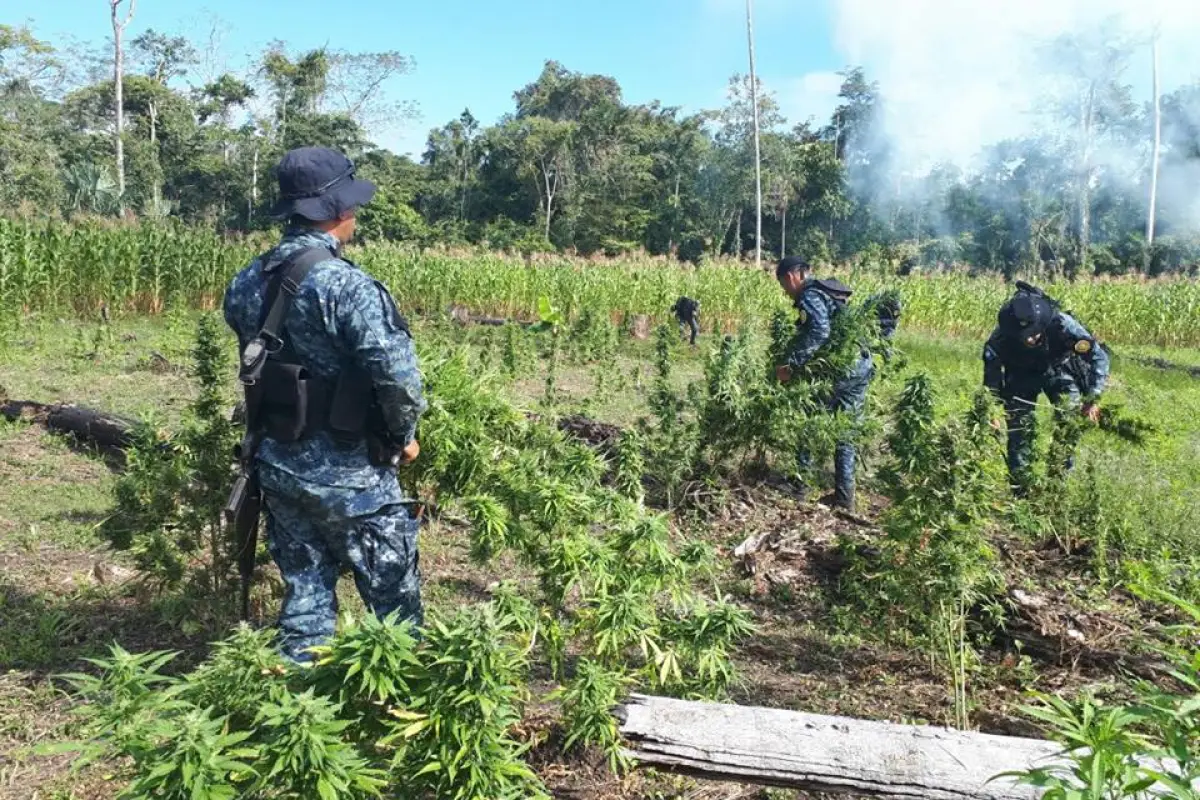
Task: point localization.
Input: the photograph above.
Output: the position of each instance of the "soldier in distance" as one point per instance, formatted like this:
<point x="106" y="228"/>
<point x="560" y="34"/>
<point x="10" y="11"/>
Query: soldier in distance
<point x="687" y="312"/>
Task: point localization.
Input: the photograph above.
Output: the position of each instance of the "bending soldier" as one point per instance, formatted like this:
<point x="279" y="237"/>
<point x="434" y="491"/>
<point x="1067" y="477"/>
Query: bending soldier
<point x="1036" y="349"/>
<point x="333" y="395"/>
<point x="687" y="313"/>
<point x="818" y="303"/>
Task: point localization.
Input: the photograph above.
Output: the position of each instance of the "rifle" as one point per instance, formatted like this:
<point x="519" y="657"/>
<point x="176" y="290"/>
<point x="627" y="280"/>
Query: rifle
<point x="242" y="513"/>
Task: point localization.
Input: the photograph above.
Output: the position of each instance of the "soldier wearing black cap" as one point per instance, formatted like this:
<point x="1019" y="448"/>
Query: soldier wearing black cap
<point x="1036" y="349"/>
<point x="333" y="395"/>
<point x="818" y="302"/>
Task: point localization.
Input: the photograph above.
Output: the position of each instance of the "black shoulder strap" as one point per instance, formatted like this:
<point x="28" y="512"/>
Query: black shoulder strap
<point x="285" y="284"/>
<point x="285" y="280"/>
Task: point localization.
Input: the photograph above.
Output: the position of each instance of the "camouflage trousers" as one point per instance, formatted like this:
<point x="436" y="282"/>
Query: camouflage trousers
<point x="379" y="548"/>
<point x="1021" y="395"/>
<point x="850" y="397"/>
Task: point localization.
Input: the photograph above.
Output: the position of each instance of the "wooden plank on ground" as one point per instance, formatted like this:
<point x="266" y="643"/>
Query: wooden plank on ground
<point x="827" y="754"/>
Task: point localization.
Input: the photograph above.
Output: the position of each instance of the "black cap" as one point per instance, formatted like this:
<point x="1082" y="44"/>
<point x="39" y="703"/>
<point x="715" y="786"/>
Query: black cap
<point x="1025" y="315"/>
<point x="791" y="264"/>
<point x="318" y="184"/>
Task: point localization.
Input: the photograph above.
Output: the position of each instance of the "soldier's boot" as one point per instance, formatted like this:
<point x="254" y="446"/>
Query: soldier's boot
<point x="843" y="495"/>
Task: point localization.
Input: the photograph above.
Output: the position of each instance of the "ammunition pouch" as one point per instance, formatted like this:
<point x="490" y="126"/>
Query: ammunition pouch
<point x="284" y="400"/>
<point x="291" y="404"/>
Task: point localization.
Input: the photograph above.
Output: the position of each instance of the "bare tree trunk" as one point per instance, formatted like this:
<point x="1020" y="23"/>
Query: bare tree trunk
<point x="551" y="190"/>
<point x="153" y="108"/>
<point x="118" y="27"/>
<point x="1087" y="114"/>
<point x="253" y="188"/>
<point x="737" y="236"/>
<point x="1150" y="218"/>
<point x="674" y="214"/>
<point x="757" y="151"/>
<point x="783" y="233"/>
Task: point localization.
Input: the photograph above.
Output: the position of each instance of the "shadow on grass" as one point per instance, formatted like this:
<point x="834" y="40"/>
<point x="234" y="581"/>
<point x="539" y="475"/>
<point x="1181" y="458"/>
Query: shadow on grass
<point x="45" y="634"/>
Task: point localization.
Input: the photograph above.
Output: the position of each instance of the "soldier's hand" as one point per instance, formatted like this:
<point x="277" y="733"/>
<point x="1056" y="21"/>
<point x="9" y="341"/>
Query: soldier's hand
<point x="783" y="373"/>
<point x="998" y="425"/>
<point x="1092" y="412"/>
<point x="410" y="452"/>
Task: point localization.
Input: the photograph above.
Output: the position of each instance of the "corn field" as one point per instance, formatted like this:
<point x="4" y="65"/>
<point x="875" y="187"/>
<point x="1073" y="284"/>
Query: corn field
<point x="64" y="268"/>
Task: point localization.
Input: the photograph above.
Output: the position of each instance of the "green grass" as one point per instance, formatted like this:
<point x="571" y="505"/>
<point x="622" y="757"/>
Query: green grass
<point x="52" y="496"/>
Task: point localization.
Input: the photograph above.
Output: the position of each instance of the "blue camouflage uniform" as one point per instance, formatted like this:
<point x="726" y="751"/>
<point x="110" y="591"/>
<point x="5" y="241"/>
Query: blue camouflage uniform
<point x="817" y="309"/>
<point x="326" y="504"/>
<point x="1069" y="365"/>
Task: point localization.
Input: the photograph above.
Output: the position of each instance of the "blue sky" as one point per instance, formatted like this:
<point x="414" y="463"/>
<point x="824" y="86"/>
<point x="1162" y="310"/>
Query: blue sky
<point x="476" y="53"/>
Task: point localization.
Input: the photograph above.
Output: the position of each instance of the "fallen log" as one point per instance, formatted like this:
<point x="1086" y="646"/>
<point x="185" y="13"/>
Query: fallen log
<point x="827" y="754"/>
<point x="88" y="426"/>
<point x="112" y="432"/>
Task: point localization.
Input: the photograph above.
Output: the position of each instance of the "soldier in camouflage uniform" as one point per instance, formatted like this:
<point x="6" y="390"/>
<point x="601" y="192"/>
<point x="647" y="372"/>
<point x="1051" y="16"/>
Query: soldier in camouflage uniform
<point x="817" y="303"/>
<point x="686" y="312"/>
<point x="1036" y="349"/>
<point x="328" y="503"/>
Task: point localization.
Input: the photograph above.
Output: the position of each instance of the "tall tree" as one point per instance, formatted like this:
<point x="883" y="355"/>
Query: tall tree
<point x="747" y="99"/>
<point x="452" y="156"/>
<point x="357" y="83"/>
<point x="540" y="148"/>
<point x="1100" y="105"/>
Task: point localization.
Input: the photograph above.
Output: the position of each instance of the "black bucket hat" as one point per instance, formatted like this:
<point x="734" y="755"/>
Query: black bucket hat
<point x="318" y="184"/>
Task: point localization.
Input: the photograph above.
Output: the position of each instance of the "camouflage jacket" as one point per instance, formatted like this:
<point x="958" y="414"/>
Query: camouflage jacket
<point x="340" y="317"/>
<point x="1067" y="349"/>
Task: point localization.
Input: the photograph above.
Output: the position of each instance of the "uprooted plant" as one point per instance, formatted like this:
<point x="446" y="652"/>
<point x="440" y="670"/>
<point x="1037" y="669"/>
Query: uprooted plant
<point x="934" y="562"/>
<point x="376" y="716"/>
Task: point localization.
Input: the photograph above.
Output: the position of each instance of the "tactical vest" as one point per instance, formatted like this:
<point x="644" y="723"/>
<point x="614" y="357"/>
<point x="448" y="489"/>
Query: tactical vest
<point x="284" y="401"/>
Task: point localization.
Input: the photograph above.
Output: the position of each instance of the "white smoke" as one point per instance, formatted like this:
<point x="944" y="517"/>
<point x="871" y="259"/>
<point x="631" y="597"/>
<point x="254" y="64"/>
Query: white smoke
<point x="958" y="75"/>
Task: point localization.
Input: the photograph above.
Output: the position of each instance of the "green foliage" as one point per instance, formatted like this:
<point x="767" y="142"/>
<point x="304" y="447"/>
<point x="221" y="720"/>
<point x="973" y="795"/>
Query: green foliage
<point x="304" y="753"/>
<point x="369" y="670"/>
<point x="170" y="499"/>
<point x="934" y="562"/>
<point x="1139" y="750"/>
<point x="192" y="758"/>
<point x="587" y="705"/>
<point x="470" y="698"/>
<point x="376" y="711"/>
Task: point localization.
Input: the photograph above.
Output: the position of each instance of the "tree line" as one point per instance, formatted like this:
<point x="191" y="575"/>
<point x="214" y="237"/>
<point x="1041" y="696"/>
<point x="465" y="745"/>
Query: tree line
<point x="574" y="167"/>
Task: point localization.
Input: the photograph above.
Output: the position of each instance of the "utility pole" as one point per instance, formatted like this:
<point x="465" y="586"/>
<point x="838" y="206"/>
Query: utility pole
<point x="757" y="152"/>
<point x="118" y="27"/>
<point x="1154" y="161"/>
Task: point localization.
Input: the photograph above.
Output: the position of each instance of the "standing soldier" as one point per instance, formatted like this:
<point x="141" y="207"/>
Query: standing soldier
<point x="1036" y="348"/>
<point x="818" y="303"/>
<point x="686" y="311"/>
<point x="333" y="395"/>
